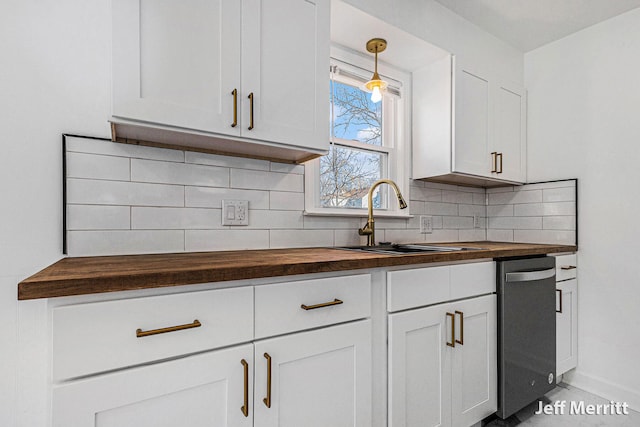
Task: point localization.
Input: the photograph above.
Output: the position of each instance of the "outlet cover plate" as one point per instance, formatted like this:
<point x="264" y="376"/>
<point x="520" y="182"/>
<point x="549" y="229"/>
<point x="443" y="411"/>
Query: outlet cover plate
<point x="426" y="224"/>
<point x="235" y="212"/>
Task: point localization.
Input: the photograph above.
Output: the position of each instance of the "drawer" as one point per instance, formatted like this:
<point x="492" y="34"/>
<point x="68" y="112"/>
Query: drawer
<point x="279" y="307"/>
<point x="473" y="279"/>
<point x="417" y="287"/>
<point x="566" y="267"/>
<point x="102" y="336"/>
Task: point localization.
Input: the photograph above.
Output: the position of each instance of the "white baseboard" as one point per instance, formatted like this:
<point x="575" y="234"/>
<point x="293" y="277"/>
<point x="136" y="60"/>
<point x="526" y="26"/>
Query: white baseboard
<point x="603" y="388"/>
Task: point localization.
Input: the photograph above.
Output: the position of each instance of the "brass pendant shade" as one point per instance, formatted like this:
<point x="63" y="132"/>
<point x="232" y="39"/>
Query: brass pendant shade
<point x="376" y="85"/>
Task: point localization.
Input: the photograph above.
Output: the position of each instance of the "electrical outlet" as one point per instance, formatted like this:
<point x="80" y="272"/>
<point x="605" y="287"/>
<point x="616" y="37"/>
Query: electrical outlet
<point x="476" y="221"/>
<point x="235" y="212"/>
<point x="426" y="224"/>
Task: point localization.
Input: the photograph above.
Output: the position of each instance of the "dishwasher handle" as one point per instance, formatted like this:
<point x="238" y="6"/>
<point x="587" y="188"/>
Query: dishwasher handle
<point x="528" y="276"/>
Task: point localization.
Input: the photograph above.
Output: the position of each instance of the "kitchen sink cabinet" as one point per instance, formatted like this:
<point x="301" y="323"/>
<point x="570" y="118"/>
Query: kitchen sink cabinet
<point x="566" y="313"/>
<point x="469" y="125"/>
<point x="438" y="376"/>
<point x="217" y="75"/>
<point x="442" y="355"/>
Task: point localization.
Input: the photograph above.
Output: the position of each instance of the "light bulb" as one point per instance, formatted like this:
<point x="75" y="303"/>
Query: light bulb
<point x="376" y="95"/>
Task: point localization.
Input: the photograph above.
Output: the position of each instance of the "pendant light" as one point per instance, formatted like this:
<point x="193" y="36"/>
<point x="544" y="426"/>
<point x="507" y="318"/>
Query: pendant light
<point x="376" y="85"/>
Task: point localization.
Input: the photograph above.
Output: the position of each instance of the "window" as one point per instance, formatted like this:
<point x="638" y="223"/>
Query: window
<point x="366" y="145"/>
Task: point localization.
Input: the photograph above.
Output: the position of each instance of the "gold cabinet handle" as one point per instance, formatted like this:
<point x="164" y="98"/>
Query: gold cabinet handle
<point x="559" y="291"/>
<point x="250" y="111"/>
<point x="324" y="304"/>
<point x="245" y="407"/>
<point x="267" y="400"/>
<point x="568" y="267"/>
<point x="140" y="333"/>
<point x="234" y="92"/>
<point x="494" y="162"/>
<point x="453" y="330"/>
<point x="461" y="341"/>
<point x="499" y="155"/>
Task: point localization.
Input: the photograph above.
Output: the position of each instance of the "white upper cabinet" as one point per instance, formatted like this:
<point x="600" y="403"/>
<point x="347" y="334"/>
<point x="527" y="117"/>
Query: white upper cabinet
<point x="285" y="65"/>
<point x="238" y="77"/>
<point x="469" y="126"/>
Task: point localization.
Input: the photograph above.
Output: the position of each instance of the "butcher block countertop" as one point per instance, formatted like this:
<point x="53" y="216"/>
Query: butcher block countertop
<point x="90" y="275"/>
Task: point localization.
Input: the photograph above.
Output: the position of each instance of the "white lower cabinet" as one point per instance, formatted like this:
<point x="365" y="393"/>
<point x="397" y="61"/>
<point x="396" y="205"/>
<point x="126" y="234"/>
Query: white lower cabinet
<point x="205" y="390"/>
<point x="443" y="364"/>
<point x="315" y="379"/>
<point x="566" y="313"/>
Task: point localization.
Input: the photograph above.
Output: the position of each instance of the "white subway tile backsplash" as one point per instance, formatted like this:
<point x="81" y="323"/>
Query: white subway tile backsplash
<point x="225" y="161"/>
<point x="300" y="238"/>
<point x="287" y="168"/>
<point x="272" y="219"/>
<point x="457" y="197"/>
<point x="120" y="242"/>
<point x="472" y="235"/>
<point x="148" y="218"/>
<point x="457" y="222"/>
<point x="224" y="240"/>
<point x="284" y="200"/>
<point x="545" y="236"/>
<point x="471" y="210"/>
<point x="499" y="235"/>
<point x="207" y="197"/>
<point x="99" y="192"/>
<point x="127" y="199"/>
<point x="435" y="208"/>
<point x="178" y="173"/>
<point x="516" y="222"/>
<point x="566" y="194"/>
<point x="531" y="209"/>
<point x="501" y="210"/>
<point x="559" y="222"/>
<point x="92" y="166"/>
<point x="98" y="217"/>
<point x="241" y="178"/>
<point x="94" y="146"/>
<point x="518" y="196"/>
<point x="559" y="208"/>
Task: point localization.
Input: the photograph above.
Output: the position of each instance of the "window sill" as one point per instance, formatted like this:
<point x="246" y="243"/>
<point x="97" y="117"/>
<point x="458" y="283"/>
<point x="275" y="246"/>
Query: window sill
<point x="359" y="213"/>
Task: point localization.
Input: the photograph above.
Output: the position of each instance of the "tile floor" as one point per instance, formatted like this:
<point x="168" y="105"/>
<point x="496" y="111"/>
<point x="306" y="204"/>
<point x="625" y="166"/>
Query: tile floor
<point x="565" y="392"/>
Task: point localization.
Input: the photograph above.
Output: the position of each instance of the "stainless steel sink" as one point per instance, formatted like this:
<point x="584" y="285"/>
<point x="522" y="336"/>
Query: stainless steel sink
<point x="403" y="249"/>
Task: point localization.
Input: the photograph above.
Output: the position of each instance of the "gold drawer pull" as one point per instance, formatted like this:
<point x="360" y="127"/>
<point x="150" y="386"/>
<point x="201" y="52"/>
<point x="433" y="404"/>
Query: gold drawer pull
<point x="324" y="304"/>
<point x="568" y="267"/>
<point x="235" y="108"/>
<point x="140" y="333"/>
<point x="267" y="400"/>
<point x="453" y="330"/>
<point x="494" y="162"/>
<point x="245" y="407"/>
<point x="250" y="111"/>
<point x="461" y="341"/>
<point x="500" y="157"/>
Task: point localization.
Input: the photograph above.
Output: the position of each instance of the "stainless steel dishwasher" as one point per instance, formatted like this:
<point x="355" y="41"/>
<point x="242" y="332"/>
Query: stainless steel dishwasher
<point x="526" y="332"/>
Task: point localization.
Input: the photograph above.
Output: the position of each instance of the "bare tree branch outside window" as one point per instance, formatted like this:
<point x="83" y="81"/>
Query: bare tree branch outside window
<point x="346" y="173"/>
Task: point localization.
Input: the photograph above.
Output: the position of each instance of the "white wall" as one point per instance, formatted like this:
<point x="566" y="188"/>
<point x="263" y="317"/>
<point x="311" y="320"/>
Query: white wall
<point x="584" y="97"/>
<point x="54" y="79"/>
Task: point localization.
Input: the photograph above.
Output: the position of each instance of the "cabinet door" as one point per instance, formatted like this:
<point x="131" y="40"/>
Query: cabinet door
<point x="420" y="368"/>
<point x="510" y="132"/>
<point x="285" y="66"/>
<point x="317" y="379"/>
<point x="566" y="326"/>
<point x="176" y="62"/>
<point x="206" y="390"/>
<point x="471" y="122"/>
<point x="474" y="366"/>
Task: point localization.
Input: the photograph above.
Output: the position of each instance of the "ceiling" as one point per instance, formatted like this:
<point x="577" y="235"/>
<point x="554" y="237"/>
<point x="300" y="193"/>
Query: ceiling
<point x="529" y="24"/>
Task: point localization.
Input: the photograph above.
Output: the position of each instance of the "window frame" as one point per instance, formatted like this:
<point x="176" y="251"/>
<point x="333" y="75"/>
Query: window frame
<point x="398" y="165"/>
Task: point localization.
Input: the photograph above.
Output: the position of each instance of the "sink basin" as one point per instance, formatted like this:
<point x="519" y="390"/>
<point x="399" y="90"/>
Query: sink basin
<point x="403" y="249"/>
